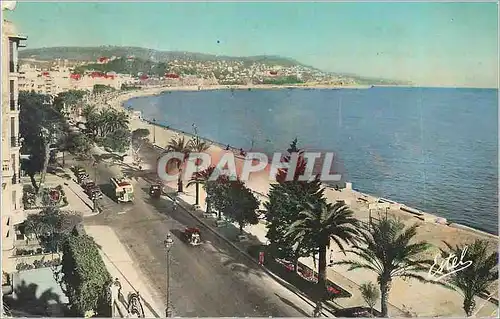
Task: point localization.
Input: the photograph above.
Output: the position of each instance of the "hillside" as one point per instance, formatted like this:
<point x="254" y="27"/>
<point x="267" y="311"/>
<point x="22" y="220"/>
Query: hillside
<point x="93" y="53"/>
<point x="155" y="62"/>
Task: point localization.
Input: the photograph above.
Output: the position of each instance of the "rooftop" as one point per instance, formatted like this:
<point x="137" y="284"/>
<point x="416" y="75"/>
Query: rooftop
<point x="37" y="292"/>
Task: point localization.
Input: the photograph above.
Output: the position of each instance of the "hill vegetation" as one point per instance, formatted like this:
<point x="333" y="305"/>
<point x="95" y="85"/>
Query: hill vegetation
<point x="93" y="53"/>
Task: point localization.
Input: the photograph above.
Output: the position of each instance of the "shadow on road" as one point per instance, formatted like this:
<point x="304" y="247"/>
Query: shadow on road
<point x="108" y="190"/>
<point x="238" y="264"/>
<point x="291" y="304"/>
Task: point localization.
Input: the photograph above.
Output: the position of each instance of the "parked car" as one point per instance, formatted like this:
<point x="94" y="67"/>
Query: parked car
<point x="95" y="193"/>
<point x="82" y="176"/>
<point x="88" y="185"/>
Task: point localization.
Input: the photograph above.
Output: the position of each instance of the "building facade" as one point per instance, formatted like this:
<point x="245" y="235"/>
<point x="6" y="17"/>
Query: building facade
<point x="12" y="192"/>
<point x="56" y="79"/>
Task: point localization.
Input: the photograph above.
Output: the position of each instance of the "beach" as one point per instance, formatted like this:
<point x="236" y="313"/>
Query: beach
<point x="434" y="300"/>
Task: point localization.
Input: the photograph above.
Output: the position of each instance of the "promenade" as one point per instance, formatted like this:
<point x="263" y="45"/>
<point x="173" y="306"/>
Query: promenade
<point x="411" y="296"/>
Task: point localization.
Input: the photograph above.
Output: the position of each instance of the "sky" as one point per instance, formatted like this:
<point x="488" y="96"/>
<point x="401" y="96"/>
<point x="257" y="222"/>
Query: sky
<point x="429" y="44"/>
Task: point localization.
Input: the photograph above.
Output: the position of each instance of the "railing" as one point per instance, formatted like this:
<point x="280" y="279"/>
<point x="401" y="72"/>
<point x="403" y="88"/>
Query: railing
<point x="14" y="141"/>
<point x="5" y="165"/>
<point x="15" y="179"/>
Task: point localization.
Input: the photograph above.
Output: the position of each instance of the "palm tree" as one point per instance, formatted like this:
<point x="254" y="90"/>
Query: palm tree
<point x="478" y="277"/>
<point x="319" y="225"/>
<point x="199" y="146"/>
<point x="203" y="178"/>
<point x="370" y="294"/>
<point x="386" y="250"/>
<point x="179" y="145"/>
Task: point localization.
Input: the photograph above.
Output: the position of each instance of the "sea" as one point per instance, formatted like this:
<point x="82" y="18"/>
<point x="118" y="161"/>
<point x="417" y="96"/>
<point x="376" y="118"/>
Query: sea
<point x="434" y="149"/>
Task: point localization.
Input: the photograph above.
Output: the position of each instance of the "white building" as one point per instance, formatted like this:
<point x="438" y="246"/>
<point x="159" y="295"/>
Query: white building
<point x="59" y="79"/>
<point x="12" y="210"/>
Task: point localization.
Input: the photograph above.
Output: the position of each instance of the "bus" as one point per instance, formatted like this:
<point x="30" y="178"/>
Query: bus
<point x="124" y="191"/>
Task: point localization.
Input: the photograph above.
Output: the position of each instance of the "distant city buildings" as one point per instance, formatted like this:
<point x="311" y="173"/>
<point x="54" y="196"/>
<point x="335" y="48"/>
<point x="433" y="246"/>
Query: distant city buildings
<point x="59" y="78"/>
<point x="12" y="191"/>
<point x="53" y="77"/>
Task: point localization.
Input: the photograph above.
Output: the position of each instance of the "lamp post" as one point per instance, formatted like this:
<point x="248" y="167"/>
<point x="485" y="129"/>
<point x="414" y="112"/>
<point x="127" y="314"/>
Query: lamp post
<point x="154" y="131"/>
<point x="168" y="244"/>
<point x="197" y="185"/>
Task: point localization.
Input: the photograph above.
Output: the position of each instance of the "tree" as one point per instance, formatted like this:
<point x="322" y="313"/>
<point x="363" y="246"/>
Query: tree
<point x="179" y="145"/>
<point x="386" y="250"/>
<point x="370" y="294"/>
<point x="101" y="88"/>
<point x="51" y="226"/>
<point x="199" y="146"/>
<point x="217" y="194"/>
<point x="117" y="140"/>
<point x="106" y="121"/>
<point x="88" y="110"/>
<point x="139" y="138"/>
<point x="68" y="100"/>
<point x="79" y="144"/>
<point x="476" y="279"/>
<point x="284" y="207"/>
<point x="318" y="225"/>
<point x="203" y="178"/>
<point x="85" y="276"/>
<point x="40" y="125"/>
<point x="238" y="203"/>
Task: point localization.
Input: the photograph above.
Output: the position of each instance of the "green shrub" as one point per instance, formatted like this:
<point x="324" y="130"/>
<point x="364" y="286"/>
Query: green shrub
<point x="85" y="276"/>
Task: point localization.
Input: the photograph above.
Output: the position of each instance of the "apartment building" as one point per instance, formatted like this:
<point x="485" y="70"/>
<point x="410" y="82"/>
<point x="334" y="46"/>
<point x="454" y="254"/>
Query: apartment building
<point x="57" y="79"/>
<point x="12" y="210"/>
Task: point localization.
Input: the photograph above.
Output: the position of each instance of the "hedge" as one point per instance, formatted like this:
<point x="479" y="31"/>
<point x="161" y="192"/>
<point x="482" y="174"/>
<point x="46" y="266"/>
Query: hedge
<point x="85" y="276"/>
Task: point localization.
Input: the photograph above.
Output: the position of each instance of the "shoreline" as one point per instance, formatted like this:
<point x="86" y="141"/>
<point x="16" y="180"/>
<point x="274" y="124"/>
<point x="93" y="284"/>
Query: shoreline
<point x="399" y="208"/>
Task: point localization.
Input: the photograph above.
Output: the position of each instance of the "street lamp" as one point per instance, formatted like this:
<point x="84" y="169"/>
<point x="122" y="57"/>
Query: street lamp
<point x="168" y="244"/>
<point x="154" y="131"/>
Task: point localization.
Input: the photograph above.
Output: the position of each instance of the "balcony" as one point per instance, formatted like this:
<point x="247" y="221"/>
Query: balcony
<point x="13" y="104"/>
<point x="6" y="171"/>
<point x="14" y="141"/>
<point x="13" y="67"/>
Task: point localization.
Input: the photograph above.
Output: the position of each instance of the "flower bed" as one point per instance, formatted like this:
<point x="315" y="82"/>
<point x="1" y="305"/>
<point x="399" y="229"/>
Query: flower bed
<point x="47" y="197"/>
<point x="41" y="263"/>
<point x="308" y="274"/>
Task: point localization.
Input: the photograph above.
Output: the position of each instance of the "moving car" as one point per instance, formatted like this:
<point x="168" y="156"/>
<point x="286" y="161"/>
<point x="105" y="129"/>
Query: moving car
<point x="192" y="236"/>
<point x="155" y="191"/>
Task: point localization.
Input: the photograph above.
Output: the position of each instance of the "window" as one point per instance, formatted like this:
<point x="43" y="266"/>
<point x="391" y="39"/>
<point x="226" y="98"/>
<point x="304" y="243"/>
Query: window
<point x="11" y="56"/>
<point x="14" y="199"/>
<point x="13" y="139"/>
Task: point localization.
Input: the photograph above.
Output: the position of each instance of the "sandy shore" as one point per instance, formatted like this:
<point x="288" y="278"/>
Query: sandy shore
<point x="434" y="300"/>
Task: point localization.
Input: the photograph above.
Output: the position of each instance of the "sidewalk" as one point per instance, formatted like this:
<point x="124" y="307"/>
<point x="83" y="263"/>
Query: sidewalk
<point x="120" y="265"/>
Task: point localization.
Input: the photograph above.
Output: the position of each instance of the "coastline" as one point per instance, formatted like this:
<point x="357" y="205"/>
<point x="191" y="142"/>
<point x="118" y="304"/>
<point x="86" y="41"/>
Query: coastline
<point x="356" y="199"/>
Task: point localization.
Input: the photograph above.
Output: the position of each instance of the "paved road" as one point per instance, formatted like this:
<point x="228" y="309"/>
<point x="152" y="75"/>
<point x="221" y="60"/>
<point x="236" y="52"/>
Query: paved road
<point x="210" y="280"/>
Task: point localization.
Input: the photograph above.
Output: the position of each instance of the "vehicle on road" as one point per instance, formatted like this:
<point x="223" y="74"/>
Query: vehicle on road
<point x="124" y="191"/>
<point x="155" y="191"/>
<point x="88" y="185"/>
<point x="95" y="193"/>
<point x="192" y="236"/>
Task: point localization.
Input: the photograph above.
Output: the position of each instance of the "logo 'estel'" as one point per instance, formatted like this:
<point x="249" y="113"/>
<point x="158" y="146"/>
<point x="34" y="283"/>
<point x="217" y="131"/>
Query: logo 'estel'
<point x="448" y="266"/>
<point x="253" y="162"/>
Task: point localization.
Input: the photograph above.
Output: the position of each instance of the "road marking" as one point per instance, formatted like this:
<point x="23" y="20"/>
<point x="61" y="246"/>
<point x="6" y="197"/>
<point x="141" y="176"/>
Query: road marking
<point x="121" y="213"/>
